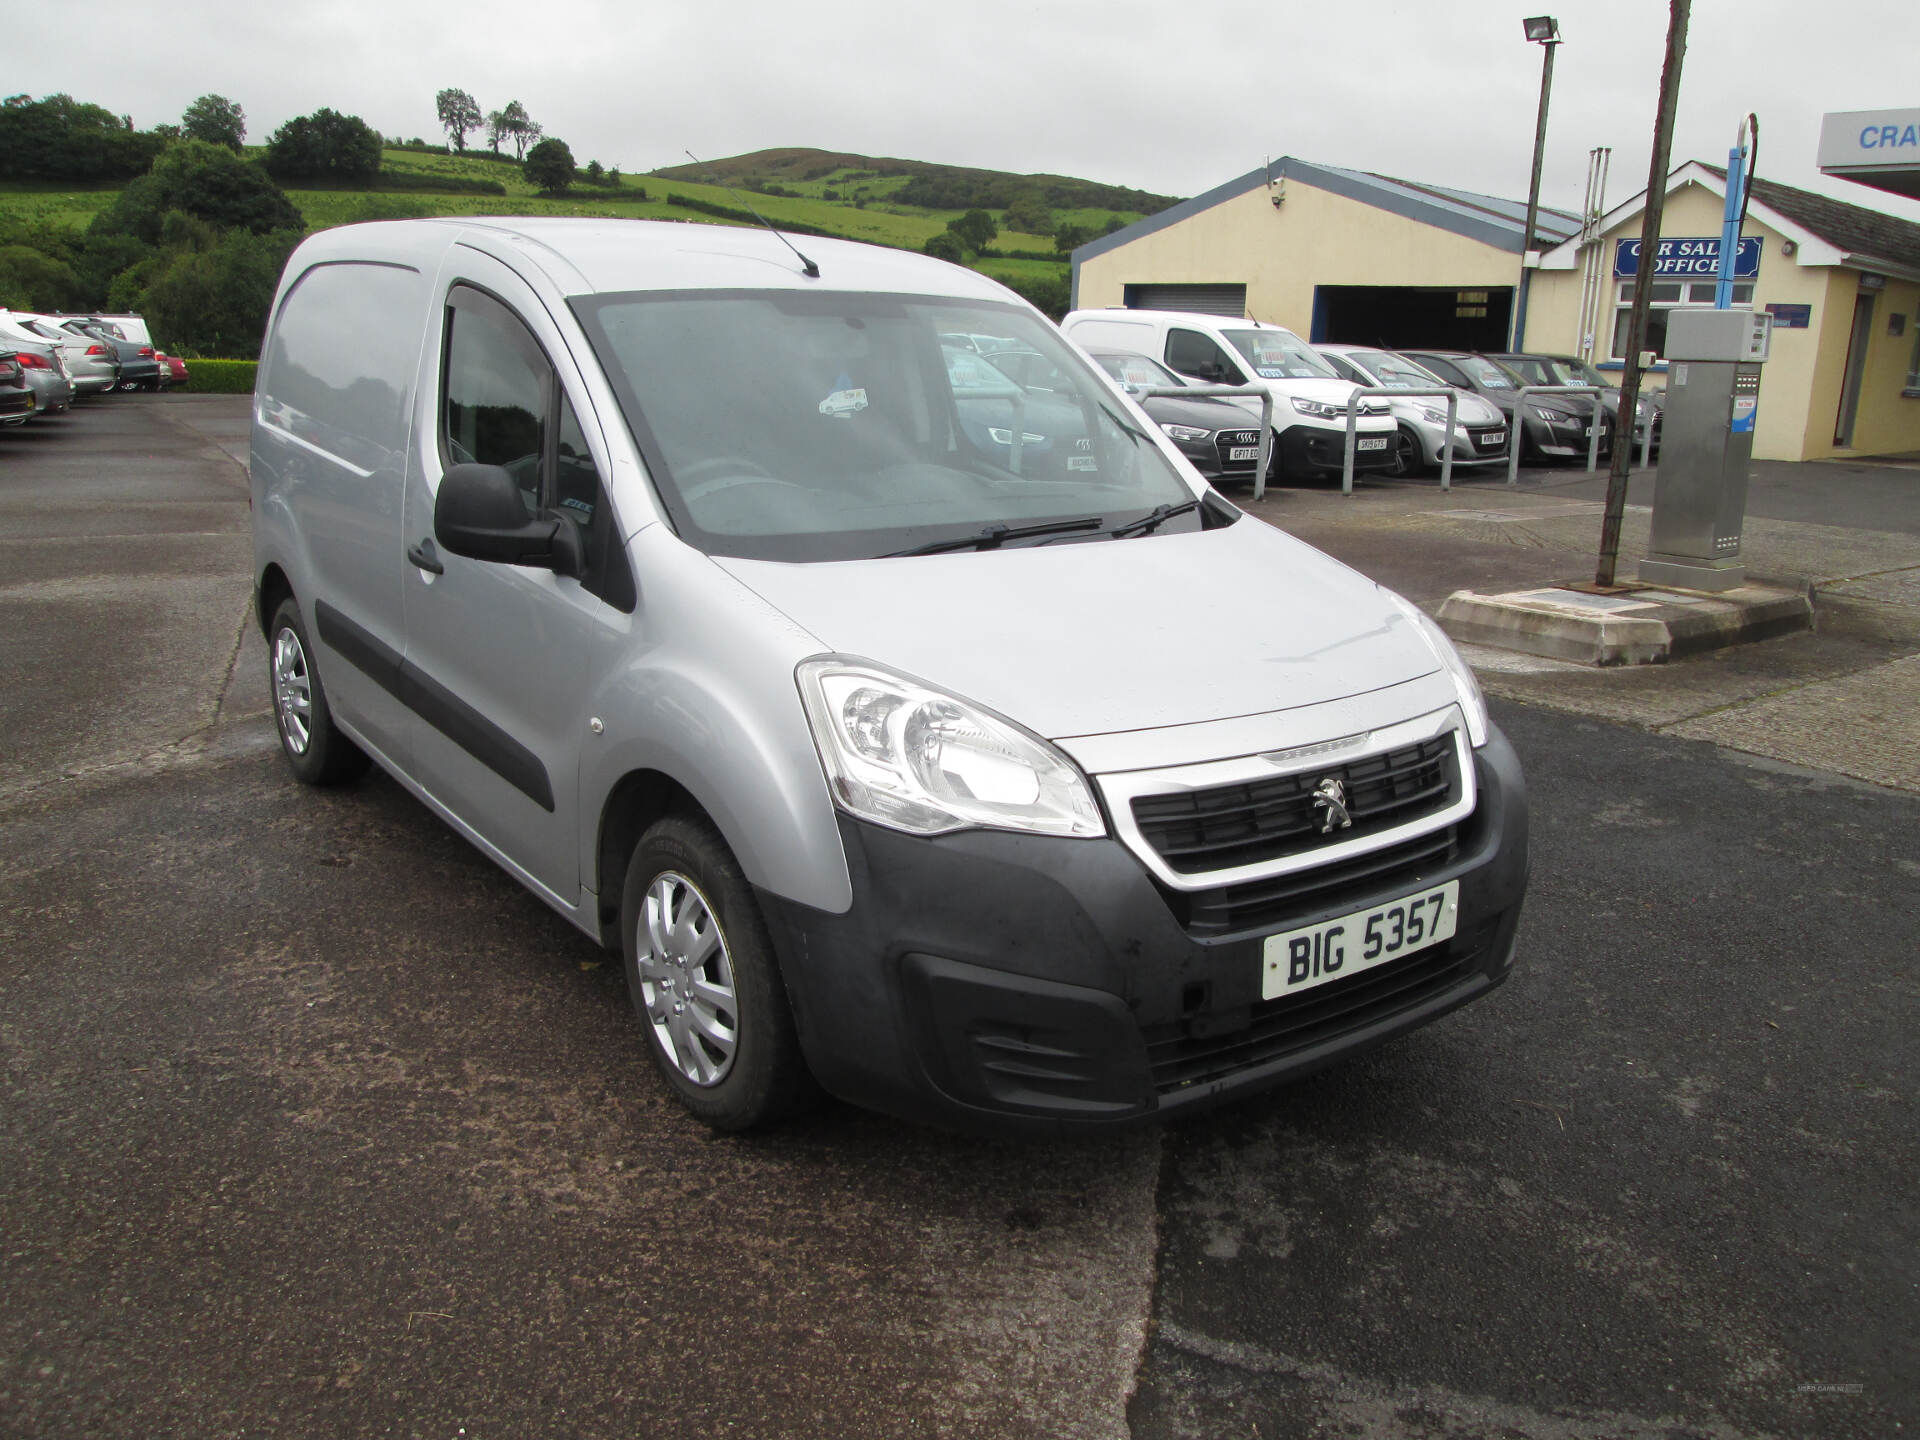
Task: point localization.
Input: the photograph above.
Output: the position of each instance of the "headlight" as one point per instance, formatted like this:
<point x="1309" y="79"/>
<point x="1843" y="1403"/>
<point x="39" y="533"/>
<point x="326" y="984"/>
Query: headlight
<point x="1434" y="417"/>
<point x="1473" y="704"/>
<point x="1186" y="432"/>
<point x="1320" y="409"/>
<point x="1005" y="437"/>
<point x="905" y="755"/>
<point x="1558" y="417"/>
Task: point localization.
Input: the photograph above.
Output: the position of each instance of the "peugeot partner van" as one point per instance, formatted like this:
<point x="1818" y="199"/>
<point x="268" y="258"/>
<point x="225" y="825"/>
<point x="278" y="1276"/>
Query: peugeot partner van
<point x="670" y="569"/>
<point x="1309" y="397"/>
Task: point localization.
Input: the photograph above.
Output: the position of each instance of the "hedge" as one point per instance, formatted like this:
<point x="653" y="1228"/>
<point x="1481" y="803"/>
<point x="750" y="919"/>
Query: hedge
<point x="220" y="377"/>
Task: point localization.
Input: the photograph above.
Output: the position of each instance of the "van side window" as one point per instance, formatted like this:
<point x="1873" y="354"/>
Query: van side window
<point x="498" y="388"/>
<point x="1192" y="353"/>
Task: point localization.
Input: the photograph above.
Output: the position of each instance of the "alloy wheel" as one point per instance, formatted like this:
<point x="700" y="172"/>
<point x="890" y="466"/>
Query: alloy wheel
<point x="686" y="980"/>
<point x="292" y="691"/>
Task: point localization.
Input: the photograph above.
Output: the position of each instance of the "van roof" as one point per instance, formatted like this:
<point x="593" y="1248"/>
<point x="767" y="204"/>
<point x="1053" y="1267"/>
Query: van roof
<point x="597" y="256"/>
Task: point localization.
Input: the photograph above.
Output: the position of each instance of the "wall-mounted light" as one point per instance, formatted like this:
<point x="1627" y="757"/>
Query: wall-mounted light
<point x="1788" y="247"/>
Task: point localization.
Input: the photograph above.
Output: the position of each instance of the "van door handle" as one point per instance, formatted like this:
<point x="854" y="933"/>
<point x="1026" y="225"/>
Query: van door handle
<point x="426" y="557"/>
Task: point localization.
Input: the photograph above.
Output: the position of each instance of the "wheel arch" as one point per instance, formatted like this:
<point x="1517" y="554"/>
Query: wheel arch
<point x="274" y="587"/>
<point x="636" y="801"/>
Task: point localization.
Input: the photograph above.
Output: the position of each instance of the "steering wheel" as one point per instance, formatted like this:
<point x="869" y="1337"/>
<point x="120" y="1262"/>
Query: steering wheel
<point x="724" y="472"/>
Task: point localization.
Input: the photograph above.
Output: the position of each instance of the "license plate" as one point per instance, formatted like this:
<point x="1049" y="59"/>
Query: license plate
<point x="1374" y="442"/>
<point x="1244" y="452"/>
<point x="1585" y="431"/>
<point x="1301" y="959"/>
<point x="1489" y="442"/>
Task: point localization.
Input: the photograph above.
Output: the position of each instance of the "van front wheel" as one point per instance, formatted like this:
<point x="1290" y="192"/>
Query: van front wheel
<point x="704" y="981"/>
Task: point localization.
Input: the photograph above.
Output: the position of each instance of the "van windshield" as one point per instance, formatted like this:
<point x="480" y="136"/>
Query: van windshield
<point x="1280" y="355"/>
<point x="822" y="425"/>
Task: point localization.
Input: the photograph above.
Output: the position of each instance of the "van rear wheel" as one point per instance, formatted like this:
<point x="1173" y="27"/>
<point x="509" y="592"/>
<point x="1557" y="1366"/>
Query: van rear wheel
<point x="704" y="981"/>
<point x="316" y="750"/>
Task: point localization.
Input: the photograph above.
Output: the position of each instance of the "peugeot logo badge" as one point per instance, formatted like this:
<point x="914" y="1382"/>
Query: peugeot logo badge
<point x="1330" y="806"/>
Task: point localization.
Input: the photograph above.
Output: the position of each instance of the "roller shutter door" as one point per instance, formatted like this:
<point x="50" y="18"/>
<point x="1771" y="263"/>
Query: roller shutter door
<point x="1229" y="300"/>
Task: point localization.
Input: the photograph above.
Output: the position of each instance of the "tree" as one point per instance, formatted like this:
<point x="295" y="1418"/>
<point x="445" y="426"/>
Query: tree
<point x="946" y="246"/>
<point x="60" y="138"/>
<point x="613" y="178"/>
<point x="1029" y="215"/>
<point x="215" y="301"/>
<point x="513" y="125"/>
<point x="459" y="112"/>
<point x="208" y="182"/>
<point x="30" y="280"/>
<point x="549" y="167"/>
<point x="594" y="174"/>
<point x="216" y="120"/>
<point x="325" y="145"/>
<point x="975" y="229"/>
<point x="1069" y="238"/>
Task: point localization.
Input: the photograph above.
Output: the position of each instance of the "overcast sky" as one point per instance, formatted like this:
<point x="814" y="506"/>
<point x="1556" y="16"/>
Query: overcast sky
<point x="1173" y="96"/>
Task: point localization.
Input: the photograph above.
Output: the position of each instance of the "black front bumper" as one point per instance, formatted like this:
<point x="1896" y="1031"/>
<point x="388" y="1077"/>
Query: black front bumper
<point x="989" y="980"/>
<point x="1304" y="450"/>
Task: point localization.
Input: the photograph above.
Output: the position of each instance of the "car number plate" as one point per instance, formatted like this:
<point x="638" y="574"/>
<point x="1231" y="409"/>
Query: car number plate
<point x="1301" y="959"/>
<point x="1488" y="442"/>
<point x="1374" y="442"/>
<point x="1244" y="452"/>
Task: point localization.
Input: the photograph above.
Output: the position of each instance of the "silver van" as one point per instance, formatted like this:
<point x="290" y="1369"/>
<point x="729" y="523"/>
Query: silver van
<point x="963" y="756"/>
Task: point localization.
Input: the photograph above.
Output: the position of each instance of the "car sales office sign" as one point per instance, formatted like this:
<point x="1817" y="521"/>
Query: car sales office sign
<point x="1685" y="257"/>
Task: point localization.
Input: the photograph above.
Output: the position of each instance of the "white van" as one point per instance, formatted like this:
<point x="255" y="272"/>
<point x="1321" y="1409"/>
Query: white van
<point x="1309" y="397"/>
<point x="945" y="745"/>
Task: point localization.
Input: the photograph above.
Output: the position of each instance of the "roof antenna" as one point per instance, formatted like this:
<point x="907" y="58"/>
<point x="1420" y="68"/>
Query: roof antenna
<point x="807" y="267"/>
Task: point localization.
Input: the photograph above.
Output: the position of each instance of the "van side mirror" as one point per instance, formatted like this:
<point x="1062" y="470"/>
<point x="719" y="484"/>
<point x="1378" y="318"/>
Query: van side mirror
<point x="478" y="513"/>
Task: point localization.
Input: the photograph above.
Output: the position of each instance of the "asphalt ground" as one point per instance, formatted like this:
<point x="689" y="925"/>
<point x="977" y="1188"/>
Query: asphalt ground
<point x="316" y="1124"/>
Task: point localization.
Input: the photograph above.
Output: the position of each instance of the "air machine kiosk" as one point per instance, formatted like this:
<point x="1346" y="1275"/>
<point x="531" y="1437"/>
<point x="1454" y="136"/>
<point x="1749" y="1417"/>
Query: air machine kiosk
<point x="1700" y="493"/>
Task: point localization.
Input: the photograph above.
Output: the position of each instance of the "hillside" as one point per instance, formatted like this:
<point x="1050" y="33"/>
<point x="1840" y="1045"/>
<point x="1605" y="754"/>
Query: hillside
<point x="917" y="182"/>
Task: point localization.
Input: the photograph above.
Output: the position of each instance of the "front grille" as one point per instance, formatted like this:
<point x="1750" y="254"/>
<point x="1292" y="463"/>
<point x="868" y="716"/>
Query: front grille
<point x="1278" y="1028"/>
<point x="1375" y="407"/>
<point x="1326" y="889"/>
<point x="1228" y="441"/>
<point x="1196" y="831"/>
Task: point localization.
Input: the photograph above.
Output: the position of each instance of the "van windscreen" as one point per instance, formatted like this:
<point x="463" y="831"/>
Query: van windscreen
<point x="823" y="425"/>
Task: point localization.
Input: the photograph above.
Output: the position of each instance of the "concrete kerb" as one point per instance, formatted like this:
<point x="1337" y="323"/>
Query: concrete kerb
<point x="1640" y="627"/>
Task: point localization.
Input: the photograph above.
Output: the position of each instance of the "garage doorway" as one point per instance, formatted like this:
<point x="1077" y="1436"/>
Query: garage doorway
<point x="1426" y="316"/>
<point x="1855" y="372"/>
<point x="1228" y="300"/>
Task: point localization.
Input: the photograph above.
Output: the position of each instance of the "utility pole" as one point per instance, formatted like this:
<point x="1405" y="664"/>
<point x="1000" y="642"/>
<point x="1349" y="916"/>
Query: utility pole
<point x="1544" y="31"/>
<point x="1679" y="13"/>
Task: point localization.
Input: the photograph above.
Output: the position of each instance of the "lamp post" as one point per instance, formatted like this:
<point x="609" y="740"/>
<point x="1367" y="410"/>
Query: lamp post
<point x="1544" y="31"/>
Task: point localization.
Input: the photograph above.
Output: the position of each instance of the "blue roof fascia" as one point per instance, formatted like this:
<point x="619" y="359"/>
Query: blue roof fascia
<point x="1458" y="211"/>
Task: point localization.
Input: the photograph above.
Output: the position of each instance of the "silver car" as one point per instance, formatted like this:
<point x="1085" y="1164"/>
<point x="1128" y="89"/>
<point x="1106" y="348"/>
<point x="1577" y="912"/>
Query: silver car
<point x="1006" y="780"/>
<point x="44" y="367"/>
<point x="92" y="366"/>
<point x="1480" y="427"/>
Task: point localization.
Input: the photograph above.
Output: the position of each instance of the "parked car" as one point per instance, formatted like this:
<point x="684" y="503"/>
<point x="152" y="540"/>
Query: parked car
<point x="176" y="367"/>
<point x="41" y="364"/>
<point x="676" y="583"/>
<point x="127" y="327"/>
<point x="1309" y="398"/>
<point x="1051" y="423"/>
<point x="1553" y="426"/>
<point x="1214" y="434"/>
<point x="17" y="400"/>
<point x="138" y="369"/>
<point x="1480" y="427"/>
<point x="92" y="366"/>
<point x="1569" y="370"/>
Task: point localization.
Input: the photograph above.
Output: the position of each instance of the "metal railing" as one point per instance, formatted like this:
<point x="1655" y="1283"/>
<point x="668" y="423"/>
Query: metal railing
<point x="1227" y="392"/>
<point x="1452" y="398"/>
<point x="1593" y="430"/>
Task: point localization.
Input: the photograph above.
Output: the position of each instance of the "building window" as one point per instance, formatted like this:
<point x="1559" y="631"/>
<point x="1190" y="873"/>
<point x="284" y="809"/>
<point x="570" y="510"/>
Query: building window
<point x="1666" y="295"/>
<point x="1912" y="387"/>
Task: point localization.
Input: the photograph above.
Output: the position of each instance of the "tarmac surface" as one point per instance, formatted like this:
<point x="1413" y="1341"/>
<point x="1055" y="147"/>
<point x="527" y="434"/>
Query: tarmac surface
<point x="316" y="1124"/>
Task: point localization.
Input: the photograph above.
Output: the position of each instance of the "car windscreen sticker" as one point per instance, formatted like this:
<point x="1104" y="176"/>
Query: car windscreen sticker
<point x="1271" y="372"/>
<point x="845" y="400"/>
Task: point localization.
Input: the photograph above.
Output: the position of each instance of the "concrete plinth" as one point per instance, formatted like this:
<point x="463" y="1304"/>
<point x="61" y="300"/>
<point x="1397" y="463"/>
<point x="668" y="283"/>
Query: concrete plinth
<point x="1678" y="573"/>
<point x="1645" y="626"/>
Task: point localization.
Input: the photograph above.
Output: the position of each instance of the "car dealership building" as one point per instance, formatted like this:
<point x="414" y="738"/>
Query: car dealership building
<point x="1344" y="255"/>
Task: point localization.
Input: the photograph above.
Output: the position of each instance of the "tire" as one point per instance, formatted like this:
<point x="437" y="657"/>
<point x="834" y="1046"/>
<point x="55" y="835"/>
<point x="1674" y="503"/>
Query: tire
<point x="1409" y="460"/>
<point x="698" y="957"/>
<point x="315" y="749"/>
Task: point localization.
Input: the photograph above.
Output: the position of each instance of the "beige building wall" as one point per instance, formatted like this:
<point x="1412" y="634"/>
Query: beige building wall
<point x="1280" y="255"/>
<point x="1800" y="387"/>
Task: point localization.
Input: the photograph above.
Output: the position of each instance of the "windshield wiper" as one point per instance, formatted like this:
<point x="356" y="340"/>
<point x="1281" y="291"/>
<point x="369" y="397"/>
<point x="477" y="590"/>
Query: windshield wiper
<point x="994" y="536"/>
<point x="1151" y="521"/>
